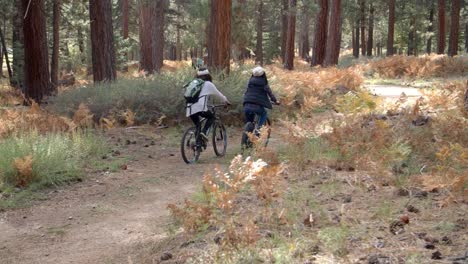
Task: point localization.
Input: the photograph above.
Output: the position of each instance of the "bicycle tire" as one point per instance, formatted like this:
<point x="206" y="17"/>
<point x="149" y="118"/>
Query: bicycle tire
<point x="245" y="141"/>
<point x="219" y="135"/>
<point x="268" y="123"/>
<point x="189" y="144"/>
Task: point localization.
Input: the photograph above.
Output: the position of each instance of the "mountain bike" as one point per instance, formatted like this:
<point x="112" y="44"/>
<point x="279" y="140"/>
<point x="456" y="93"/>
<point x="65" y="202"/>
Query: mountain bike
<point x="193" y="144"/>
<point x="252" y="128"/>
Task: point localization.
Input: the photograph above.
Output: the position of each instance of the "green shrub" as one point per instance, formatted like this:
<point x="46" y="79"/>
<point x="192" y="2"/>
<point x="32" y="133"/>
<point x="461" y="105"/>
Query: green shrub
<point x="56" y="158"/>
<point x="149" y="98"/>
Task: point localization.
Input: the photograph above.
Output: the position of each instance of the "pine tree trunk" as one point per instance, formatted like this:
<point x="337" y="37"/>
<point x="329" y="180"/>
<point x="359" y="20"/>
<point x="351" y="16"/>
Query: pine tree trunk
<point x="102" y="40"/>
<point x="284" y="28"/>
<point x="304" y="40"/>
<point x="411" y="37"/>
<point x="158" y="36"/>
<point x="362" y="4"/>
<point x="178" y="44"/>
<point x="18" y="47"/>
<point x="370" y="35"/>
<point x="259" y="46"/>
<point x="454" y="28"/>
<point x="81" y="45"/>
<point x="391" y="27"/>
<point x="466" y="37"/>
<point x="334" y="34"/>
<point x="320" y="38"/>
<point x="54" y="67"/>
<point x="36" y="66"/>
<point x="356" y="40"/>
<point x="220" y="41"/>
<point x="353" y="37"/>
<point x="146" y="32"/>
<point x="289" y="56"/>
<point x="4" y="52"/>
<point x="1" y="54"/>
<point x="124" y="27"/>
<point x="125" y="18"/>
<point x="430" y="29"/>
<point x="441" y="39"/>
<point x="1" y="61"/>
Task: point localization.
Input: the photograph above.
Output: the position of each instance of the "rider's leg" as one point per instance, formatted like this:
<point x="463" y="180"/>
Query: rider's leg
<point x="196" y="121"/>
<point x="262" y="118"/>
<point x="210" y="118"/>
<point x="249" y="116"/>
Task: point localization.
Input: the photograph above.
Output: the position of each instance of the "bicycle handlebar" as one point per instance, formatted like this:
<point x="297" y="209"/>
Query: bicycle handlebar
<point x="219" y="106"/>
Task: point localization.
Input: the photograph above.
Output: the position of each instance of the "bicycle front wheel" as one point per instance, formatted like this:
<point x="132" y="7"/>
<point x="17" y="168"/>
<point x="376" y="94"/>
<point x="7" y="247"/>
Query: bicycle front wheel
<point x="219" y="139"/>
<point x="188" y="148"/>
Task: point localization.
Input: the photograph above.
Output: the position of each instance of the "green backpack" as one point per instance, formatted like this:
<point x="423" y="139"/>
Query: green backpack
<point x="192" y="90"/>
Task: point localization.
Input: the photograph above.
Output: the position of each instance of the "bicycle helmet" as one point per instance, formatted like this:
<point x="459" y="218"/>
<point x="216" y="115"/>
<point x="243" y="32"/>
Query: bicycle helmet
<point x="258" y="71"/>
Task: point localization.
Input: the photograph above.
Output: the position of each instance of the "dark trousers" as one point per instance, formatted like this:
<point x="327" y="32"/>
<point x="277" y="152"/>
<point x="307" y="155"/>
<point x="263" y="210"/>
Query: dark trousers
<point x="210" y="118"/>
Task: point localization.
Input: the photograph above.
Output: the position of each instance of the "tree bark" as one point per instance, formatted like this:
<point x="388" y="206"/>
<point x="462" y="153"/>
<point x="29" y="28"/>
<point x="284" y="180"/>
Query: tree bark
<point x="125" y="18"/>
<point x="334" y="31"/>
<point x="391" y="27"/>
<point x="1" y="55"/>
<point x="102" y="40"/>
<point x="18" y="47"/>
<point x="54" y="67"/>
<point x="124" y="27"/>
<point x="158" y="36"/>
<point x="146" y="32"/>
<point x="259" y="46"/>
<point x="454" y="28"/>
<point x="412" y="36"/>
<point x="370" y="35"/>
<point x="219" y="46"/>
<point x="36" y="66"/>
<point x="441" y="39"/>
<point x="320" y="38"/>
<point x="362" y="4"/>
<point x="304" y="39"/>
<point x="356" y="40"/>
<point x="466" y="37"/>
<point x="81" y="44"/>
<point x="430" y="29"/>
<point x="284" y="28"/>
<point x="289" y="56"/>
<point x="4" y="52"/>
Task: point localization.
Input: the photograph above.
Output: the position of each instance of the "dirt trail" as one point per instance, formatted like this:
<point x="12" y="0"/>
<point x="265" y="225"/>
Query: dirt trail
<point x="98" y="219"/>
<point x="392" y="91"/>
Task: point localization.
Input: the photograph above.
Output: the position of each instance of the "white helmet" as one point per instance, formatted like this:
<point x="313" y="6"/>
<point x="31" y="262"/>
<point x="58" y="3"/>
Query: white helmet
<point x="202" y="72"/>
<point x="258" y="71"/>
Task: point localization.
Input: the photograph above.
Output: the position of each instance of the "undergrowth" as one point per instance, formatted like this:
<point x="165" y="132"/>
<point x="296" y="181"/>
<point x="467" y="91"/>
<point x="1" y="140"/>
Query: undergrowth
<point x="31" y="161"/>
<point x="420" y="67"/>
<point x="148" y="98"/>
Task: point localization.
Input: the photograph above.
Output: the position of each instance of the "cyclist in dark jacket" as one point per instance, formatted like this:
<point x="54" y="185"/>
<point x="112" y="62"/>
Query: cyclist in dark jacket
<point x="257" y="97"/>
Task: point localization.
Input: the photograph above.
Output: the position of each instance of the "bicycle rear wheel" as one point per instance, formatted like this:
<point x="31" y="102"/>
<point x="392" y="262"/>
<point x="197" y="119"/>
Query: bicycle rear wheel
<point x="188" y="148"/>
<point x="268" y="124"/>
<point x="219" y="139"/>
<point x="248" y="128"/>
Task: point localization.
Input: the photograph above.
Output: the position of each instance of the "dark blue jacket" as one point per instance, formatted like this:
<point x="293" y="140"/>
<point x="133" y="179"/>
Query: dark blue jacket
<point x="259" y="93"/>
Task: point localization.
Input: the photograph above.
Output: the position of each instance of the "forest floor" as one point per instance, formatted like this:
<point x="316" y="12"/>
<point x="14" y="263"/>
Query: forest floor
<point x="122" y="217"/>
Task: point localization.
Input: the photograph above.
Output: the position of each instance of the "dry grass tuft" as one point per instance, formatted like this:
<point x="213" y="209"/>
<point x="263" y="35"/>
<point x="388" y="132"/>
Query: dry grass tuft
<point x="83" y="116"/>
<point x="34" y="118"/>
<point x="222" y="193"/>
<point x="24" y="168"/>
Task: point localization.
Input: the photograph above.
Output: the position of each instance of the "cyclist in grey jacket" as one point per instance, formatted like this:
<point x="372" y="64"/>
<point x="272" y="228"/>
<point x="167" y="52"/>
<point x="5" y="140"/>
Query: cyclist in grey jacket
<point x="201" y="108"/>
<point x="257" y="97"/>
